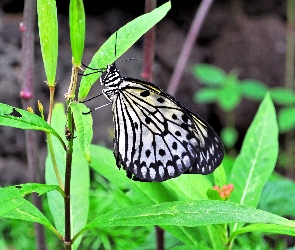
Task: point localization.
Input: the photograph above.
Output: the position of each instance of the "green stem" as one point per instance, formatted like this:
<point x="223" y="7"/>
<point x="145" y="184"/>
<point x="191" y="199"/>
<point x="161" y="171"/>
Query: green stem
<point x="52" y="154"/>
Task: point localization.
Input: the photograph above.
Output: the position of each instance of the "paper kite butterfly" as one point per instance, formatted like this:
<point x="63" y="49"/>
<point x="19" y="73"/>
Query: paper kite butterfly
<point x="156" y="137"/>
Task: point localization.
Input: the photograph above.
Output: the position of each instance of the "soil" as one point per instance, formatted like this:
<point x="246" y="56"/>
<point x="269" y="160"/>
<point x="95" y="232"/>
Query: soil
<point x="248" y="36"/>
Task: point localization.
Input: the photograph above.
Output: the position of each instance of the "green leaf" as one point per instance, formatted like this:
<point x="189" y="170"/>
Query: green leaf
<point x="230" y="95"/>
<point x="181" y="188"/>
<point x="10" y="199"/>
<point x="219" y="176"/>
<point x="191" y="247"/>
<point x="79" y="180"/>
<point x="19" y="118"/>
<point x="41" y="189"/>
<point x="213" y="194"/>
<point x="282" y="96"/>
<point x="188" y="214"/>
<point x="209" y="74"/>
<point x="278" y="197"/>
<point x="206" y="95"/>
<point x="229" y="136"/>
<point x="286" y="119"/>
<point x="126" y="37"/>
<point x="24" y="210"/>
<point x="266" y="228"/>
<point x="48" y="32"/>
<point x="28" y="212"/>
<point x="83" y="125"/>
<point x="77" y="30"/>
<point x="257" y="158"/>
<point x="254" y="89"/>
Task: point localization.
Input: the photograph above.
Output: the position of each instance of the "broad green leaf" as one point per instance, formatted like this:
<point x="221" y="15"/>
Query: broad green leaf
<point x="7" y="205"/>
<point x="83" y="125"/>
<point x="19" y="118"/>
<point x="24" y="210"/>
<point x="103" y="162"/>
<point x="278" y="197"/>
<point x="254" y="89"/>
<point x="206" y="95"/>
<point x="188" y="213"/>
<point x="48" y="32"/>
<point x="79" y="180"/>
<point x="286" y="119"/>
<point x="123" y="39"/>
<point x="181" y="188"/>
<point x="77" y="30"/>
<point x="257" y="158"/>
<point x="209" y="74"/>
<point x="282" y="96"/>
<point x="28" y="212"/>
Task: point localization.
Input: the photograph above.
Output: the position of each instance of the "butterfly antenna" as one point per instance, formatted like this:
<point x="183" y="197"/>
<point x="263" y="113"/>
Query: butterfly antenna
<point x="86" y="113"/>
<point x="127" y="60"/>
<point x="96" y="70"/>
<point x="91" y="98"/>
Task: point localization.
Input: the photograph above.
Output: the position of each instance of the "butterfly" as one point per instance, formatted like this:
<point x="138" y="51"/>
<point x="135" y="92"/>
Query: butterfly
<point x="156" y="137"/>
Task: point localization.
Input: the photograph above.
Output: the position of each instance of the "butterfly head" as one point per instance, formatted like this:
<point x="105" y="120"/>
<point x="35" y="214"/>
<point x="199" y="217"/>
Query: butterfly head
<point x="112" y="76"/>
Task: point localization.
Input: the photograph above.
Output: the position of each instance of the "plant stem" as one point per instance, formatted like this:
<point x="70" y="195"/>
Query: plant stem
<point x="188" y="45"/>
<point x="147" y="75"/>
<point x="289" y="79"/>
<point x="53" y="159"/>
<point x="149" y="46"/>
<point x="26" y="94"/>
<point x="67" y="200"/>
<point x="51" y="103"/>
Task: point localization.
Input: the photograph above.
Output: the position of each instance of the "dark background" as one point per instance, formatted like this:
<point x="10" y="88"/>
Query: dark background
<point x="248" y="36"/>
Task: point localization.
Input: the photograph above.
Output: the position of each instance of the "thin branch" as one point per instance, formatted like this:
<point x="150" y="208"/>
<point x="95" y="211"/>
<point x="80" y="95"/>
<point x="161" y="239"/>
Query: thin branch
<point x="149" y="46"/>
<point x="27" y="94"/>
<point x="188" y="45"/>
<point x="68" y="174"/>
<point x="147" y="75"/>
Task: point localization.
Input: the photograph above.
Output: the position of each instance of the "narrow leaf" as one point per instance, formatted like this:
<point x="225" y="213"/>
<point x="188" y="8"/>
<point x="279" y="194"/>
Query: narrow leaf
<point x="126" y="37"/>
<point x="83" y="125"/>
<point x="181" y="188"/>
<point x="257" y="158"/>
<point x="265" y="228"/>
<point x="48" y="32"/>
<point x="189" y="214"/>
<point x="19" y="118"/>
<point x="77" y="30"/>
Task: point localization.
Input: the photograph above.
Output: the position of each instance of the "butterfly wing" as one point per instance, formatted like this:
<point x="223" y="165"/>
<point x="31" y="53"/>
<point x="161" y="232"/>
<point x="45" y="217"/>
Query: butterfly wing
<point x="157" y="138"/>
